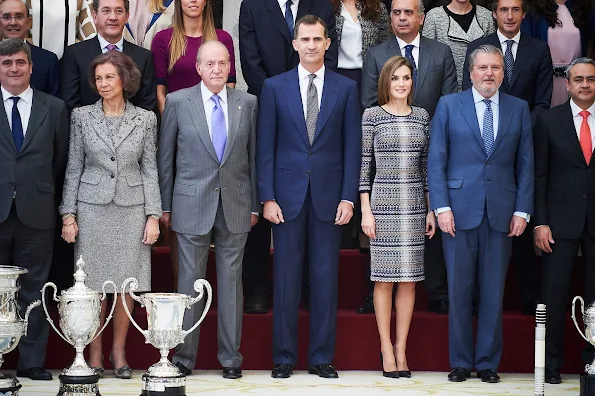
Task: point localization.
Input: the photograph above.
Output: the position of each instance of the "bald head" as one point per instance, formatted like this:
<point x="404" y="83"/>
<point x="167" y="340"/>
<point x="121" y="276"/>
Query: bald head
<point x="212" y="64"/>
<point x="15" y="21"/>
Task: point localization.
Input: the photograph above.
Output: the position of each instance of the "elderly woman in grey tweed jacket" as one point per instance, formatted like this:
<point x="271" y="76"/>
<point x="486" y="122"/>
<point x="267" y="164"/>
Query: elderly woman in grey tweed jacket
<point x="456" y="25"/>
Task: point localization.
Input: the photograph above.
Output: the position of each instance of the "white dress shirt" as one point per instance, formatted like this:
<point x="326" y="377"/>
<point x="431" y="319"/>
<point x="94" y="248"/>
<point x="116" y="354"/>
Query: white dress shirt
<point x="305" y="81"/>
<point x="210" y="105"/>
<point x="351" y="49"/>
<point x="294" y="7"/>
<point x="480" y="108"/>
<point x="414" y="51"/>
<point x="515" y="46"/>
<point x="578" y="120"/>
<point x="24" y="105"/>
<point x="104" y="43"/>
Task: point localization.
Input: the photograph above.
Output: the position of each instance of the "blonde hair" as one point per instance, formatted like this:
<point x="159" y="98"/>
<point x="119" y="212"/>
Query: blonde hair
<point x="385" y="77"/>
<point x="156" y="6"/>
<point x="177" y="45"/>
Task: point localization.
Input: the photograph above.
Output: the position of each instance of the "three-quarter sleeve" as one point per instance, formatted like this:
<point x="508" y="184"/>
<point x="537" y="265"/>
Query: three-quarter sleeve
<point x="160" y="52"/>
<point x="148" y="167"/>
<point x="365" y="176"/>
<point x="76" y="163"/>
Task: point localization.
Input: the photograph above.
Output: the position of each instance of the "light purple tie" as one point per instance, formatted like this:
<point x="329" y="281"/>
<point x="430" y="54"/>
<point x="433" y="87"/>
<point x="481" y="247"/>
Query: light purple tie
<point x="111" y="47"/>
<point x="218" y="129"/>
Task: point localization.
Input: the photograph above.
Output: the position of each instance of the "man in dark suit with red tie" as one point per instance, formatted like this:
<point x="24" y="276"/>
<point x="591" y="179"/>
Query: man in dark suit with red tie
<point x="565" y="202"/>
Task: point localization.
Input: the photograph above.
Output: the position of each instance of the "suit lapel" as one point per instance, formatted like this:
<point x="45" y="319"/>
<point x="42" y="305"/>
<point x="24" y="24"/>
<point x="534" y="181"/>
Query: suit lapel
<point x="234" y="113"/>
<point x="127" y="125"/>
<point x="392" y="48"/>
<point x="503" y="121"/>
<point x="567" y="123"/>
<point x="291" y="92"/>
<point x="468" y="110"/>
<point x="327" y="102"/>
<point x="38" y="113"/>
<point x="93" y="48"/>
<point x="276" y="17"/>
<point x="198" y="116"/>
<point x="5" y="127"/>
<point x="425" y="57"/>
<point x="99" y="124"/>
<point x="523" y="54"/>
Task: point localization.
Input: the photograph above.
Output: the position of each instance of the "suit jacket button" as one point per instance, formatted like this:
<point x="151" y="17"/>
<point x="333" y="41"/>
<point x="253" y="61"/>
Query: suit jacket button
<point x="112" y="175"/>
<point x="307" y="172"/>
<point x="584" y="195"/>
<point x="113" y="158"/>
<point x="217" y="189"/>
<point x="310" y="154"/>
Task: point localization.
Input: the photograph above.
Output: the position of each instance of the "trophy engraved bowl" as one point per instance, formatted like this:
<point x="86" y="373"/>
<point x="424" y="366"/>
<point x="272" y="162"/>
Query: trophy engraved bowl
<point x="589" y="333"/>
<point x="165" y="315"/>
<point x="79" y="308"/>
<point x="12" y="326"/>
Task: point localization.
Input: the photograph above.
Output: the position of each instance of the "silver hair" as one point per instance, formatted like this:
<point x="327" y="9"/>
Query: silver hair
<point x="484" y="49"/>
<point x="14" y="46"/>
<point x="420" y="6"/>
<point x="208" y="43"/>
<point x="578" y="61"/>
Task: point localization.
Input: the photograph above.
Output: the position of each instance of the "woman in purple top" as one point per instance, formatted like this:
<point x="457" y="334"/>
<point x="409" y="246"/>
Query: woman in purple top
<point x="174" y="50"/>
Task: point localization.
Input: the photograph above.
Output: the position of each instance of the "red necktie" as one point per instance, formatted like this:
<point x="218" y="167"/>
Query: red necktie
<point x="585" y="137"/>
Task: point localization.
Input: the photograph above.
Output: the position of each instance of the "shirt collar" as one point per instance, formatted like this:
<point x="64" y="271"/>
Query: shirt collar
<point x="502" y="38"/>
<point x="402" y="43"/>
<point x="104" y="43"/>
<point x="26" y="95"/>
<point x="477" y="97"/>
<point x="206" y="94"/>
<point x="575" y="109"/>
<point x="303" y="73"/>
<point x="283" y="2"/>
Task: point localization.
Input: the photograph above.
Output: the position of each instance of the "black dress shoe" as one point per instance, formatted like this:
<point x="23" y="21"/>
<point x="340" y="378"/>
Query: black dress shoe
<point x="324" y="370"/>
<point x="459" y="374"/>
<point x="183" y="369"/>
<point x="35" y="373"/>
<point x="552" y="376"/>
<point x="281" y="370"/>
<point x="256" y="304"/>
<point x="405" y="373"/>
<point x="489" y="376"/>
<point x="388" y="374"/>
<point x="439" y="307"/>
<point x="367" y="307"/>
<point x="232" y="372"/>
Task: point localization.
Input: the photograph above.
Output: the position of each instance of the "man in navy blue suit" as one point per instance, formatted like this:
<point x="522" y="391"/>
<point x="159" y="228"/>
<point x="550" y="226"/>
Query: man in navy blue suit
<point x="308" y="161"/>
<point x="480" y="178"/>
<point x="15" y="22"/>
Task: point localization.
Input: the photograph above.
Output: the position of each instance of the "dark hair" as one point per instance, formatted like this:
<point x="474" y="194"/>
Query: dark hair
<point x="495" y="6"/>
<point x="370" y="8"/>
<point x="309" y="20"/>
<point x="126" y="68"/>
<point x="126" y="5"/>
<point x="578" y="61"/>
<point x="385" y="78"/>
<point x="14" y="46"/>
<point x="547" y="9"/>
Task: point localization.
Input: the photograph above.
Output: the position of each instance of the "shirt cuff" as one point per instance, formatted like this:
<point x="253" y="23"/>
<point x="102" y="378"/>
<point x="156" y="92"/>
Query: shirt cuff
<point x="352" y="205"/>
<point x="255" y="213"/>
<point x="543" y="225"/>
<point x="437" y="211"/>
<point x="523" y="215"/>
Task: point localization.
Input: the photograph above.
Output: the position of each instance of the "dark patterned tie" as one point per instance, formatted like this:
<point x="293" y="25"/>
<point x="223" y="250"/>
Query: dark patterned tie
<point x="488" y="127"/>
<point x="289" y="17"/>
<point x="509" y="61"/>
<point x="409" y="55"/>
<point x="17" y="125"/>
<point x="311" y="108"/>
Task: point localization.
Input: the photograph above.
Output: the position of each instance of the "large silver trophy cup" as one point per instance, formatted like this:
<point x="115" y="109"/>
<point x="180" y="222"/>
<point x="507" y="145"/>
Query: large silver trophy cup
<point x="79" y="308"/>
<point x="587" y="380"/>
<point x="12" y="326"/>
<point x="165" y="314"/>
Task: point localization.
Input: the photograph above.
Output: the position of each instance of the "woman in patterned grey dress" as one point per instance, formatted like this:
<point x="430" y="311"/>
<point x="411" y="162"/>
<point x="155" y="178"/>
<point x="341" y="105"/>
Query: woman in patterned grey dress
<point x="111" y="202"/>
<point x="394" y="204"/>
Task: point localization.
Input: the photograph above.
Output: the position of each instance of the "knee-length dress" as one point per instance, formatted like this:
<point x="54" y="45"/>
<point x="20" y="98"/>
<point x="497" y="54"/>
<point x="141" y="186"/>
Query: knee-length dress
<point x="394" y="171"/>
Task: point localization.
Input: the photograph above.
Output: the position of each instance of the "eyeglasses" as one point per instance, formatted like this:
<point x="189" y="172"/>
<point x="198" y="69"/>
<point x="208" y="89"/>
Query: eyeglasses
<point x="18" y="17"/>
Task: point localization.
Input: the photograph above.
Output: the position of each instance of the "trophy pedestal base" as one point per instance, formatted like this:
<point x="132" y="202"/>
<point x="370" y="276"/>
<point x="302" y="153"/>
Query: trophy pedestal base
<point x="163" y="386"/>
<point x="587" y="385"/>
<point x="78" y="386"/>
<point x="9" y="385"/>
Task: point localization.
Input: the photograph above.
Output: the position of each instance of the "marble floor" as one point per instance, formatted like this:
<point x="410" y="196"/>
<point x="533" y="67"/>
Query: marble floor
<point x="350" y="383"/>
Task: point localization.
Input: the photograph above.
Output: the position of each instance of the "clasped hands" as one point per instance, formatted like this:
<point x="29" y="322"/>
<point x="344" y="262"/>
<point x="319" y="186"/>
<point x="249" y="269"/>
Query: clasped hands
<point x="273" y="213"/>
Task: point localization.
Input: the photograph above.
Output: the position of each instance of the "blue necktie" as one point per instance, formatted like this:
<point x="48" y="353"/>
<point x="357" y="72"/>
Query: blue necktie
<point x="508" y="61"/>
<point x="218" y="129"/>
<point x="488" y="127"/>
<point x="17" y="125"/>
<point x="409" y="55"/>
<point x="289" y="17"/>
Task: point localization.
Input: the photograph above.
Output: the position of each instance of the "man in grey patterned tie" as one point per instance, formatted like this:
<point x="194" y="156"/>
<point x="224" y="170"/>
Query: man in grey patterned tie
<point x="207" y="175"/>
<point x="480" y="178"/>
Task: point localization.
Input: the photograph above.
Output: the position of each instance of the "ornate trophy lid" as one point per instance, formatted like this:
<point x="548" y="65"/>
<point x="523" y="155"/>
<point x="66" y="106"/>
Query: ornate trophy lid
<point x="79" y="290"/>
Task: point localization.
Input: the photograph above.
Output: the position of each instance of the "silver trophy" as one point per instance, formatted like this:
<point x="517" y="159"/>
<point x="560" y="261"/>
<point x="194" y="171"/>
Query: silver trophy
<point x="79" y="308"/>
<point x="12" y="326"/>
<point x="165" y="314"/>
<point x="587" y="379"/>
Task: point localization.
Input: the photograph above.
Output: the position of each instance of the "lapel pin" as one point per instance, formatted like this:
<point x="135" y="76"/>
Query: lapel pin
<point x="239" y="107"/>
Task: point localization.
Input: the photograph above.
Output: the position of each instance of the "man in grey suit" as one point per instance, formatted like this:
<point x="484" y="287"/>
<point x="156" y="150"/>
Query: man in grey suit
<point x="434" y="76"/>
<point x="33" y="155"/>
<point x="207" y="175"/>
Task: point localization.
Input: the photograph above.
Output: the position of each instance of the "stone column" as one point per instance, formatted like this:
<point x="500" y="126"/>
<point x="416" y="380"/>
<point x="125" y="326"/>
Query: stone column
<point x="231" y="15"/>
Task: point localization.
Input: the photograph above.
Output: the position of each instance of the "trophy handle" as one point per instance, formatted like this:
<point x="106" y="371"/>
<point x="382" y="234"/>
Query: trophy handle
<point x="199" y="286"/>
<point x="133" y="286"/>
<point x="34" y="304"/>
<point x="574" y="317"/>
<point x="45" y="308"/>
<point x="111" y="312"/>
